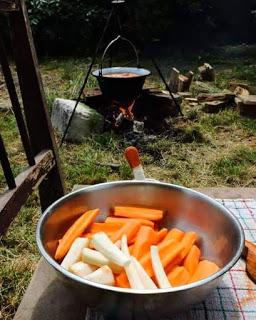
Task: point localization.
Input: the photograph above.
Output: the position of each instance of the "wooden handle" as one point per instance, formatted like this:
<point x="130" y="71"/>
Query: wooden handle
<point x="249" y="255"/>
<point x="132" y="156"/>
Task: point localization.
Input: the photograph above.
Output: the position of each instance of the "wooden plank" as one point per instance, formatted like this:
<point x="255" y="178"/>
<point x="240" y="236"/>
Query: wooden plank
<point x="36" y="114"/>
<point x="15" y="104"/>
<point x="6" y="166"/>
<point x="9" y="5"/>
<point x="42" y="298"/>
<point x="12" y="200"/>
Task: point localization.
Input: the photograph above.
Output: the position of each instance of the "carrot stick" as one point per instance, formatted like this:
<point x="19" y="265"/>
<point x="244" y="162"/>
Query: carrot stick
<point x="168" y="250"/>
<point x="105" y="227"/>
<point x="146" y="236"/>
<point x="129" y="229"/>
<point x="178" y="276"/>
<point x="138" y="213"/>
<point x="161" y="234"/>
<point x="175" y="234"/>
<point x="187" y="241"/>
<point x="131" y="247"/>
<point x="174" y="263"/>
<point x="204" y="269"/>
<point x="76" y="230"/>
<point x="122" y="281"/>
<point x="192" y="259"/>
<point x="143" y="222"/>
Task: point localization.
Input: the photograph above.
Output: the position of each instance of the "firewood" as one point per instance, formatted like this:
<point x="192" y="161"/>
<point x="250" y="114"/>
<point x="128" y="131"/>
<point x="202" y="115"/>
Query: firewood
<point x="206" y="72"/>
<point x="174" y="80"/>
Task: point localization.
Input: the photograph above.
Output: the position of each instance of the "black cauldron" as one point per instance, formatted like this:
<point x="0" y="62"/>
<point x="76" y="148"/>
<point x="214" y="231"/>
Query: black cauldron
<point x="122" y="84"/>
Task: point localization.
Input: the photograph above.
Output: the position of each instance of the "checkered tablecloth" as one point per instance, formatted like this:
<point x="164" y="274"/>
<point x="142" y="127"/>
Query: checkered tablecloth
<point x="235" y="298"/>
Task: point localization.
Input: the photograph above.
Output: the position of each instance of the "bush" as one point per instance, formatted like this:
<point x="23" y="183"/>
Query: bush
<point x="74" y="26"/>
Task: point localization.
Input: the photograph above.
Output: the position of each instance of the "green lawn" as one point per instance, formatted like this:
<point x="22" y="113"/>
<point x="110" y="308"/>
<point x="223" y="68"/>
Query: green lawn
<point x="207" y="150"/>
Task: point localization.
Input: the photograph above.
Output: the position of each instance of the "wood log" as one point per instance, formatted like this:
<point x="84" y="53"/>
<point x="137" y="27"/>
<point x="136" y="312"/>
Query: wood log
<point x="239" y="91"/>
<point x="190" y="76"/>
<point x="182" y="83"/>
<point x="174" y="80"/>
<point x="222" y="96"/>
<point x="214" y="106"/>
<point x="206" y="72"/>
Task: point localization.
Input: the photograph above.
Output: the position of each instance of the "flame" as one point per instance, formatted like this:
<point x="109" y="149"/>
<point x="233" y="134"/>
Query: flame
<point x="127" y="112"/>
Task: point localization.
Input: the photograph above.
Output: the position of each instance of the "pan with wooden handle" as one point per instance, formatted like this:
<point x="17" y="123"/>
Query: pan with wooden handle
<point x="249" y="252"/>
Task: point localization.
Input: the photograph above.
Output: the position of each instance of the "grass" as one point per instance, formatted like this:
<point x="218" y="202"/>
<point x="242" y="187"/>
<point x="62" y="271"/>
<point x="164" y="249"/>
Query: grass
<point x="205" y="150"/>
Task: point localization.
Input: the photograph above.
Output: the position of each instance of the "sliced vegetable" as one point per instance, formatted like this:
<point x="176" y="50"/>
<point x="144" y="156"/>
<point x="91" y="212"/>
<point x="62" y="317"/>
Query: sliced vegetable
<point x="204" y="269"/>
<point x="76" y="230"/>
<point x="174" y="263"/>
<point x="129" y="229"/>
<point x="94" y="257"/>
<point x="147" y="282"/>
<point x="103" y="275"/>
<point x="130" y="270"/>
<point x="158" y="269"/>
<point x="143" y="222"/>
<point x="138" y="213"/>
<point x="105" y="227"/>
<point x="98" y="259"/>
<point x="178" y="276"/>
<point x="146" y="236"/>
<point x="192" y="259"/>
<point x="164" y="247"/>
<point x="161" y="234"/>
<point x="122" y="280"/>
<point x="103" y="244"/>
<point x="82" y="269"/>
<point x="175" y="234"/>
<point x="187" y="241"/>
<point x="75" y="252"/>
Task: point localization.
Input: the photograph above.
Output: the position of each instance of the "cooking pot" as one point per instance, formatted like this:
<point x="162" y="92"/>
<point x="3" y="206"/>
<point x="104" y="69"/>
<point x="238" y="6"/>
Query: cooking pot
<point x="119" y="88"/>
<point x="221" y="241"/>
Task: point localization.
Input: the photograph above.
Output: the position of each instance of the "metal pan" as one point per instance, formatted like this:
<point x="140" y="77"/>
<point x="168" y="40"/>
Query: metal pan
<point x="222" y="241"/>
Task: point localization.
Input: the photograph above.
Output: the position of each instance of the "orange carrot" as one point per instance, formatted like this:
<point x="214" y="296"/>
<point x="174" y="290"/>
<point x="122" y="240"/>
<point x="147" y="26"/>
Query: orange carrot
<point x="132" y="241"/>
<point x="105" y="227"/>
<point x="187" y="241"/>
<point x="168" y="250"/>
<point x="76" y="230"/>
<point x="144" y="222"/>
<point x="204" y="269"/>
<point x="174" y="263"/>
<point x="122" y="281"/>
<point x="175" y="234"/>
<point x="178" y="276"/>
<point x="161" y="234"/>
<point x="130" y="229"/>
<point x="192" y="259"/>
<point x="131" y="247"/>
<point x="138" y="213"/>
<point x="146" y="236"/>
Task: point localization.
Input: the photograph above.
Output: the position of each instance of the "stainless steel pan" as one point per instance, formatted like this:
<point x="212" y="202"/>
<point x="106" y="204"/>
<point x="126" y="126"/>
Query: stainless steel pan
<point x="222" y="241"/>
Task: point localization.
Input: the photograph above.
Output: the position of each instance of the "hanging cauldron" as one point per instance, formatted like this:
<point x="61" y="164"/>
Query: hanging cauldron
<point x="122" y="84"/>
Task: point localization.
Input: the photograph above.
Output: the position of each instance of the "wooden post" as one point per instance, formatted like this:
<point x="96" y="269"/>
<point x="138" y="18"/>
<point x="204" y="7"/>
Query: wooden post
<point x="38" y="122"/>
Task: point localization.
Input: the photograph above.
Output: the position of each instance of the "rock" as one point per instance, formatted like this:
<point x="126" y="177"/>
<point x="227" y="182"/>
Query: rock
<point x="206" y="72"/>
<point x="240" y="91"/>
<point x="85" y="121"/>
<point x="214" y="106"/>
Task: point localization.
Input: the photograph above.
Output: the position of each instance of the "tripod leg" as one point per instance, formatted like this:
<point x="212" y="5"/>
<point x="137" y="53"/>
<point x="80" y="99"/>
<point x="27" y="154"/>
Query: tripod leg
<point x="166" y="85"/>
<point x="87" y="75"/>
